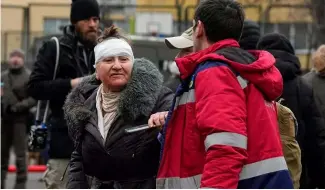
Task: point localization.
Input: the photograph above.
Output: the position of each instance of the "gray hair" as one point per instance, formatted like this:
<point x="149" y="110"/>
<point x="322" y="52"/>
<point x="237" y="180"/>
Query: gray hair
<point x="17" y="52"/>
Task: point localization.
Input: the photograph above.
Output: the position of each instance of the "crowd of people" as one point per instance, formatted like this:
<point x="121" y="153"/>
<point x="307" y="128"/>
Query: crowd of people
<point x="214" y="123"/>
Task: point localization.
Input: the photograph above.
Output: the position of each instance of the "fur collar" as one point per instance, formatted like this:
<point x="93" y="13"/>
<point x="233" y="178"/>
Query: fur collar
<point x="137" y="99"/>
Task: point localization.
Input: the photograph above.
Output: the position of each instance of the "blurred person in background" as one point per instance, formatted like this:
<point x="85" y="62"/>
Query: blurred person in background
<point x="316" y="78"/>
<point x="123" y="94"/>
<point x="299" y="97"/>
<point x="15" y="105"/>
<point x="184" y="43"/>
<point x="250" y="35"/>
<point x="76" y="61"/>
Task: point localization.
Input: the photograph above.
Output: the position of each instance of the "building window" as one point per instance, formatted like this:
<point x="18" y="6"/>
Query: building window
<point x="303" y="35"/>
<point x="54" y="26"/>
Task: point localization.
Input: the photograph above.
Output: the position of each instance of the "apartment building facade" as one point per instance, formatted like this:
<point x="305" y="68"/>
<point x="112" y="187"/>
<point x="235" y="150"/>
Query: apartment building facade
<point x="24" y="20"/>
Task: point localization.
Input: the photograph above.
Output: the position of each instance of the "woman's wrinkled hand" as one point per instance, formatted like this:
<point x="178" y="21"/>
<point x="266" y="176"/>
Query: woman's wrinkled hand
<point x="157" y="119"/>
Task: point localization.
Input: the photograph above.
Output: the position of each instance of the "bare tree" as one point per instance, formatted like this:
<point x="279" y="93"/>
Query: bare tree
<point x="317" y="8"/>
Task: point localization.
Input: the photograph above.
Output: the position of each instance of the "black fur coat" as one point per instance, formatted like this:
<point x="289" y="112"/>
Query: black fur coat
<point x="123" y="160"/>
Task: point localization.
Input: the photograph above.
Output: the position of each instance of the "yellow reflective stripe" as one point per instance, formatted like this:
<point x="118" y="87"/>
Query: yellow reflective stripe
<point x="226" y="138"/>
<point x="192" y="182"/>
<point x="263" y="167"/>
<point x="189" y="97"/>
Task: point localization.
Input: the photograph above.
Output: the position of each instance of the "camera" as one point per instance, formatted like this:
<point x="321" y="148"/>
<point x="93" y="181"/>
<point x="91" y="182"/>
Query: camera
<point x="37" y="138"/>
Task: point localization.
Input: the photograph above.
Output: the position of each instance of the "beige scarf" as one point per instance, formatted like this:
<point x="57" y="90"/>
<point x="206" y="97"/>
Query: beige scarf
<point x="106" y="104"/>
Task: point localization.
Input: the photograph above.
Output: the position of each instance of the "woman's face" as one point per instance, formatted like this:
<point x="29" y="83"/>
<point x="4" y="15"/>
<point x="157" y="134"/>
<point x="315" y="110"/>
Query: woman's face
<point x="114" y="72"/>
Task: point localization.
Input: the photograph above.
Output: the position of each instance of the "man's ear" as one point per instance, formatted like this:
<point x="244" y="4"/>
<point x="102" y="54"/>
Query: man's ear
<point x="199" y="29"/>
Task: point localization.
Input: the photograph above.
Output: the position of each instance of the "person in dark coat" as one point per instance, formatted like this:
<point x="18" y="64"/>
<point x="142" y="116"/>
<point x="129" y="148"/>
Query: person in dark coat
<point x="76" y="61"/>
<point x="123" y="94"/>
<point x="316" y="77"/>
<point x="15" y="106"/>
<point x="250" y="35"/>
<point x="299" y="97"/>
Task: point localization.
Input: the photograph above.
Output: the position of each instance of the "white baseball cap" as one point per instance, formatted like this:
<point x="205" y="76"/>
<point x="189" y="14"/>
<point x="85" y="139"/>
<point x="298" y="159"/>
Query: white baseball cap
<point x="181" y="42"/>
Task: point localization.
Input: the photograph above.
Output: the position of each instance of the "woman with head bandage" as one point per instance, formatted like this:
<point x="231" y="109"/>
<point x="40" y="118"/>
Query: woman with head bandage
<point x="122" y="94"/>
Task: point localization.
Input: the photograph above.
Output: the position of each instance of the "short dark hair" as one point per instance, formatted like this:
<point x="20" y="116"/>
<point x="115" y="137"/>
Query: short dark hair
<point x="222" y="19"/>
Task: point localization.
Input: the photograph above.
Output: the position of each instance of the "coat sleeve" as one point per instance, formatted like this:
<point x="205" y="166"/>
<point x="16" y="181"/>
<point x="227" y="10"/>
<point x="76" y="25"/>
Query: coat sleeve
<point x="165" y="100"/>
<point x="41" y="85"/>
<point x="221" y="119"/>
<point x="77" y="178"/>
<point x="25" y="104"/>
<point x="8" y="98"/>
<point x="315" y="136"/>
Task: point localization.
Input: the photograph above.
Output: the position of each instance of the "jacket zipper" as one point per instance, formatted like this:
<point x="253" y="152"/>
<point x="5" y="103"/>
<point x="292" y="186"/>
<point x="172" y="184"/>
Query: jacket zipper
<point x="102" y="145"/>
<point x="87" y="60"/>
<point x="76" y="57"/>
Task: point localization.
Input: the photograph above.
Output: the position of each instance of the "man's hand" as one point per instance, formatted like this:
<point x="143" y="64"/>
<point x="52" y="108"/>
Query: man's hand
<point x="19" y="107"/>
<point x="157" y="119"/>
<point x="75" y="82"/>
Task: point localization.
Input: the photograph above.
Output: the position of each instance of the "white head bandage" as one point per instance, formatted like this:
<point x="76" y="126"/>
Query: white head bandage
<point x="111" y="48"/>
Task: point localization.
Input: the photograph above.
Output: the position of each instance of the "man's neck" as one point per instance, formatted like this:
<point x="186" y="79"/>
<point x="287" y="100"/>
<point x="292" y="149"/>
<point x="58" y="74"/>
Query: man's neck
<point x="206" y="44"/>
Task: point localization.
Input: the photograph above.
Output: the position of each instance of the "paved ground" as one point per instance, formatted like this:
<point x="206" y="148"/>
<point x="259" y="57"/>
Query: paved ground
<point x="32" y="182"/>
<point x="33" y="178"/>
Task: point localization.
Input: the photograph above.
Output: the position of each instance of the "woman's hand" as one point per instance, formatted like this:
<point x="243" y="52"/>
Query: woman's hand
<point x="157" y="119"/>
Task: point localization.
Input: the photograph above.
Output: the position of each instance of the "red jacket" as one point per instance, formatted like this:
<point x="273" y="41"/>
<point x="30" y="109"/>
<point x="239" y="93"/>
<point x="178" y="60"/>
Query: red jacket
<point x="222" y="131"/>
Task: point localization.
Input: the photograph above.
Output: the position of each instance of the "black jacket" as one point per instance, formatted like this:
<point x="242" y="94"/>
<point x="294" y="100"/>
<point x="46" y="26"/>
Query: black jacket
<point x="15" y="101"/>
<point x="317" y="81"/>
<point x="123" y="160"/>
<point x="250" y="35"/>
<point x="172" y="82"/>
<point x="75" y="61"/>
<point x="299" y="97"/>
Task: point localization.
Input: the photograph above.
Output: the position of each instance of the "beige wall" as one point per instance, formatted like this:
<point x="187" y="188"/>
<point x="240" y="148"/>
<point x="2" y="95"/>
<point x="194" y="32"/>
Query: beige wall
<point x="167" y="3"/>
<point x="39" y="12"/>
<point x="27" y="2"/>
<point x="19" y="3"/>
<point x="10" y="27"/>
<point x="304" y="61"/>
<point x="13" y="12"/>
<point x="41" y="9"/>
<point x="12" y="18"/>
<point x="252" y="13"/>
